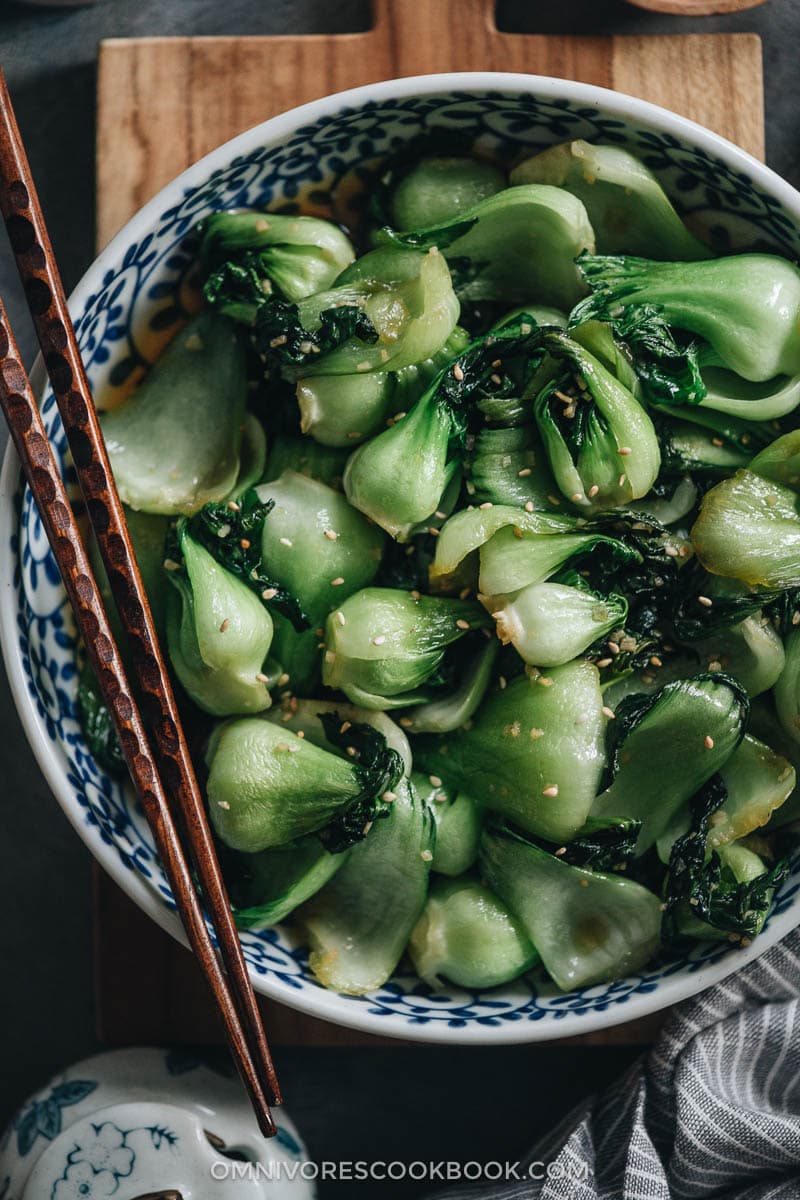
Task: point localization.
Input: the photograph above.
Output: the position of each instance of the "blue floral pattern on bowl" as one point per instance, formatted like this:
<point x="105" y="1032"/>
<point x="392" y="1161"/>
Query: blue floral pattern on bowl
<point x="143" y="289"/>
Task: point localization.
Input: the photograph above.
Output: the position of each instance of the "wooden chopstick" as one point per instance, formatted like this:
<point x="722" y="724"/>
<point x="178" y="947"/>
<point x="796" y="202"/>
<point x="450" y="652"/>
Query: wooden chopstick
<point x="48" y="306"/>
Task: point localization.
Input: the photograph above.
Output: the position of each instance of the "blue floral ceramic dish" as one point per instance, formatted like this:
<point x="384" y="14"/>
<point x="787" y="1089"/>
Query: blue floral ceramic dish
<point x="131" y="298"/>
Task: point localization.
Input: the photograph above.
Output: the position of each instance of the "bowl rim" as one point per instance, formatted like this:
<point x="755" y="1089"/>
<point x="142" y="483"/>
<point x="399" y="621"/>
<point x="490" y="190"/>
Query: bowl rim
<point x="316" y="1001"/>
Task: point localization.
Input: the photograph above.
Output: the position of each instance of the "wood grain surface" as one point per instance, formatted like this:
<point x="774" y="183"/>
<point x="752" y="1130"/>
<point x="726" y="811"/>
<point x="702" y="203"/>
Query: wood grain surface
<point x="162" y="104"/>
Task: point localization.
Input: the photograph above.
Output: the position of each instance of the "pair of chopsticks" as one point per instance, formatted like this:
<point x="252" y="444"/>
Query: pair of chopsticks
<point x="166" y="785"/>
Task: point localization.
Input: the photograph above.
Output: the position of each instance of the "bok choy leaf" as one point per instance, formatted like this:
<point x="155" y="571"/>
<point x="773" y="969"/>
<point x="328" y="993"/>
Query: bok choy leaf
<point x="192" y="401"/>
<point x="535" y="751"/>
<point x="666" y="746"/>
<point x="627" y="206"/>
<point x="466" y="935"/>
<point x="588" y="927"/>
<point x="360" y="922"/>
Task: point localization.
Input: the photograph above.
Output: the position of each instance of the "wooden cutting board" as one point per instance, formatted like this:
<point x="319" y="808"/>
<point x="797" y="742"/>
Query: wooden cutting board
<point x="162" y="104"/>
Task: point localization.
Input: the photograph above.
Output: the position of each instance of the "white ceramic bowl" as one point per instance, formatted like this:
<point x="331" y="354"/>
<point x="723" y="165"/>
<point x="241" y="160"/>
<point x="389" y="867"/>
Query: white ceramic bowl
<point x="114" y="308"/>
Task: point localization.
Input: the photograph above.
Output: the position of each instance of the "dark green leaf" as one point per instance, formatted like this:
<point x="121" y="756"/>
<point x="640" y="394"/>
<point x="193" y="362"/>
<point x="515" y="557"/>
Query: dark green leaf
<point x="98" y="728"/>
<point x="233" y="537"/>
<point x="378" y="768"/>
<point x="280" y="333"/>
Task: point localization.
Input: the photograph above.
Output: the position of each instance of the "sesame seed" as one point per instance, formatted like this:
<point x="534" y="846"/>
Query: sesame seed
<point x="301" y="733"/>
<point x="671" y="551"/>
<point x="284" y="541"/>
<point x="223" y="804"/>
<point x="604" y="662"/>
<point x="577" y="497"/>
<point x="433" y="531"/>
<point x="353" y="434"/>
<point x="498" y="362"/>
<point x="655" y="661"/>
<point x="331" y="535"/>
<point x="283" y="679"/>
<point x="503" y="682"/>
<point x="525" y="329"/>
<point x="415" y="595"/>
<point x="232" y="506"/>
<point x="329" y="656"/>
<point x="613" y="647"/>
<point x="269" y="593"/>
<point x="545" y="681"/>
<point x="608" y="712"/>
<point x="561" y="851"/>
<point x="440" y="798"/>
<point x="551" y="498"/>
<point x="435" y="781"/>
<point x="338" y="581"/>
<point x="223" y="531"/>
<point x="278" y="341"/>
<point x="796" y="618"/>
<point x="621" y="480"/>
<point x="708" y="742"/>
<point x="524" y="473"/>
<point x="593" y="490"/>
<point x="717" y="441"/>
<point x="486" y="504"/>
<point x="282" y="747"/>
<point x="224" y="626"/>
<point x="351" y="752"/>
<point x="705" y="601"/>
<point x="464" y="593"/>
<point x="261" y="225"/>
<point x="623" y="450"/>
<point x="261" y="677"/>
<point x="362" y="366"/>
<point x="457" y="372"/>
<point x="550" y="790"/>
<point x="462" y="624"/>
<point x="293" y="748"/>
<point x="367" y="827"/>
<point x="340" y="617"/>
<point x="379" y="640"/>
<point x="389" y="797"/>
<point x="529" y="506"/>
<point x="406" y="722"/>
<point x="171" y="565"/>
<point x="440" y="516"/>
<point x="345" y="725"/>
<point x="426" y="856"/>
<point x="496" y="379"/>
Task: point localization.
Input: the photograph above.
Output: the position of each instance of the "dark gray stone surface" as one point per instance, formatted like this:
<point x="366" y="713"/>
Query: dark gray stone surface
<point x="459" y="1103"/>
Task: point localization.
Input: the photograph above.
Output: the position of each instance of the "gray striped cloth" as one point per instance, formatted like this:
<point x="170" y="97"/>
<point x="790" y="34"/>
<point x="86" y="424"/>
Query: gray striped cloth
<point x="712" y="1111"/>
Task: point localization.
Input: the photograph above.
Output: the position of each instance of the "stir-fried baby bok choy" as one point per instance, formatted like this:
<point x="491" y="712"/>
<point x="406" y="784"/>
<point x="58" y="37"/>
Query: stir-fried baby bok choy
<point x="360" y="923"/>
<point x="478" y="559"/>
<point x="534" y="752"/>
<point x="427" y="444"/>
<point x="267" y="787"/>
<point x="600" y="441"/>
<point x="666" y="746"/>
<point x="251" y="255"/>
<point x="466" y="935"/>
<point x="218" y="632"/>
<point x="386" y="649"/>
<point x="629" y="211"/>
<point x="174" y="445"/>
<point x="518" y="245"/>
<point x="740" y="313"/>
<point x="587" y="926"/>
